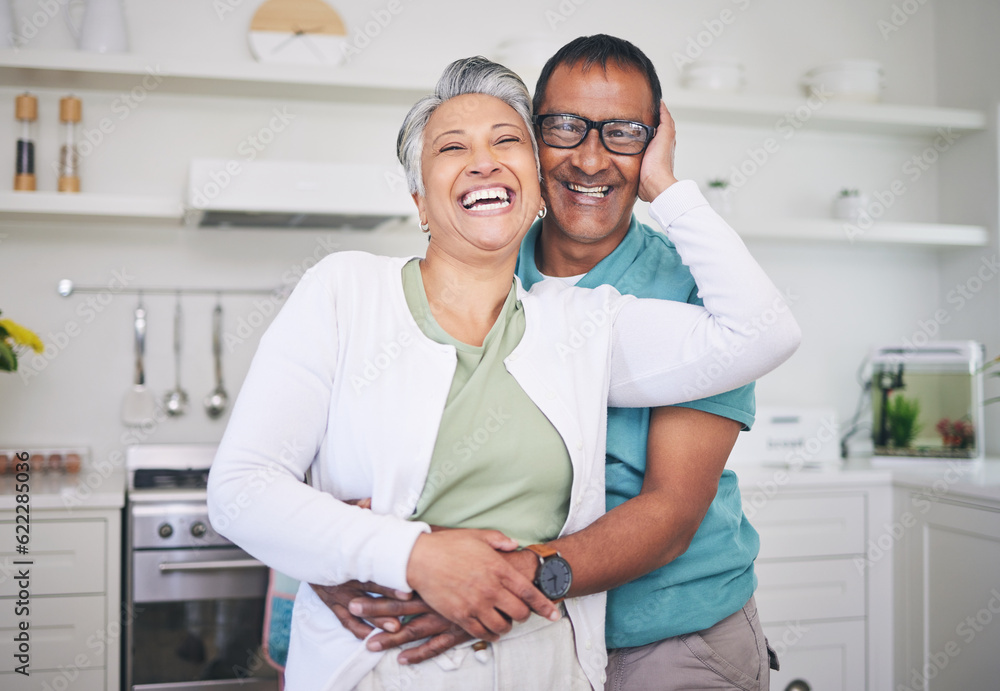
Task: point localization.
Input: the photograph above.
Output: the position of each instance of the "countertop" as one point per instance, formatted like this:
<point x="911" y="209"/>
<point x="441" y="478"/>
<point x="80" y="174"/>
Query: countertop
<point x="91" y="489"/>
<point x="88" y="489"/>
<point x="971" y="480"/>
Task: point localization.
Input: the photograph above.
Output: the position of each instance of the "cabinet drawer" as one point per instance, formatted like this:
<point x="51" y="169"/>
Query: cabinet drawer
<point x="61" y="628"/>
<point x="794" y="527"/>
<point x="67" y="678"/>
<point x="828" y="656"/>
<point x="800" y="590"/>
<point x="69" y="557"/>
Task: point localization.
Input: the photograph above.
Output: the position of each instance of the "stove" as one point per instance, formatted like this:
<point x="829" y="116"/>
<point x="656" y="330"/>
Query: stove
<point x="195" y="601"/>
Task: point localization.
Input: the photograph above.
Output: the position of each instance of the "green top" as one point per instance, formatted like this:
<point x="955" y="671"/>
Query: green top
<point x="498" y="462"/>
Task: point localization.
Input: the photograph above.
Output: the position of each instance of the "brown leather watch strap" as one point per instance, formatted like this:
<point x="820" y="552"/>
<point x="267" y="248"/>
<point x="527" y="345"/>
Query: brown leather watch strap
<point x="543" y="550"/>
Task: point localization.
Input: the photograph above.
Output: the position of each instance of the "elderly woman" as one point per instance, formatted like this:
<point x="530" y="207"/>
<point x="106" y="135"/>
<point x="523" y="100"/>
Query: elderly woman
<point x="451" y="397"/>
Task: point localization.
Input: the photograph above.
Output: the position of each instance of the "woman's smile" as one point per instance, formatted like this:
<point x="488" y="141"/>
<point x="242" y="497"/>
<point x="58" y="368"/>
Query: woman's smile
<point x="480" y="176"/>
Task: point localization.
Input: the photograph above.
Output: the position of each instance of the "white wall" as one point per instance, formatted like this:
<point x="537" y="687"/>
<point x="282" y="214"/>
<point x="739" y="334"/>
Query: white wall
<point x="965" y="33"/>
<point x="847" y="298"/>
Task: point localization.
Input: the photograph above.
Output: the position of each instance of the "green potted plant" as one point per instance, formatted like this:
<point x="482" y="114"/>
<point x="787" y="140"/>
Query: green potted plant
<point x="719" y="196"/>
<point x="850" y="205"/>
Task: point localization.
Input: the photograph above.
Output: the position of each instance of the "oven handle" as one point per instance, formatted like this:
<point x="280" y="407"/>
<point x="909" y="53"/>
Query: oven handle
<point x="211" y="565"/>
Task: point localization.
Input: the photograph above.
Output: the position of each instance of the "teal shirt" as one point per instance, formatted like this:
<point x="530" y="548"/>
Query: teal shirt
<point x="714" y="578"/>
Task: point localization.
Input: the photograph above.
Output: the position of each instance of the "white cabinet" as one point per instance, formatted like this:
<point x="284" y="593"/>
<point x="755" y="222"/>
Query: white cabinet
<point x="825" y="656"/>
<point x="74" y="600"/>
<point x="814" y="586"/>
<point x="949" y="581"/>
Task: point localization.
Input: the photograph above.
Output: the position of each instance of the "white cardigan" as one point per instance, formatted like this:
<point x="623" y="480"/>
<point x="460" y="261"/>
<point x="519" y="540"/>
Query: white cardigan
<point x="344" y="383"/>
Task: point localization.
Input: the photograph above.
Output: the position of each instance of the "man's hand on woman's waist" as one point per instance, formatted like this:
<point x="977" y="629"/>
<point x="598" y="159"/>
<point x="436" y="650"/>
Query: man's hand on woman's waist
<point x="355" y="609"/>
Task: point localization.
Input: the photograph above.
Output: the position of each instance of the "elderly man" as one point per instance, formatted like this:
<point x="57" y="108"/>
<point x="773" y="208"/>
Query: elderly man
<point x="674" y="551"/>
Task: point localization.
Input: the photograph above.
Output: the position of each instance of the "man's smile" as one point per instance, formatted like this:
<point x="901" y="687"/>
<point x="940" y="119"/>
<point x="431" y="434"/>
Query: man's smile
<point x="599" y="191"/>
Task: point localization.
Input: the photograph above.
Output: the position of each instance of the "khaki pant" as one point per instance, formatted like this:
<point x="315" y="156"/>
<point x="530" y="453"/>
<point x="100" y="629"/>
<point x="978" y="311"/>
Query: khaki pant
<point x="733" y="654"/>
<point x="536" y="654"/>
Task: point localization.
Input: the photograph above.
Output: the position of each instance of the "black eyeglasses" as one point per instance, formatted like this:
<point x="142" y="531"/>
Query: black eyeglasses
<point x="565" y="131"/>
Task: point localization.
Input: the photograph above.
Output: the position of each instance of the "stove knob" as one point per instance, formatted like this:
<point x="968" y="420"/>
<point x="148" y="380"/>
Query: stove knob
<point x="199" y="529"/>
<point x="165" y="530"/>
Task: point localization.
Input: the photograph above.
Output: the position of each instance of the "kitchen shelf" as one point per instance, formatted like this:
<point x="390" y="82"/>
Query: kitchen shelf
<point x="840" y="116"/>
<point x="50" y="206"/>
<point x="85" y="206"/>
<point x="92" y="71"/>
<point x="104" y="72"/>
<point x="827" y="230"/>
<point x="880" y="233"/>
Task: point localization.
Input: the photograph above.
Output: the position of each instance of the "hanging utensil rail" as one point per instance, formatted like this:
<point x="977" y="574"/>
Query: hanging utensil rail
<point x="66" y="288"/>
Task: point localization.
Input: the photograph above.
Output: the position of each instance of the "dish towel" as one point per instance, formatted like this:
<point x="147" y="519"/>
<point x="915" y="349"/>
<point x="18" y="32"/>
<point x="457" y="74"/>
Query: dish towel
<point x="278" y="606"/>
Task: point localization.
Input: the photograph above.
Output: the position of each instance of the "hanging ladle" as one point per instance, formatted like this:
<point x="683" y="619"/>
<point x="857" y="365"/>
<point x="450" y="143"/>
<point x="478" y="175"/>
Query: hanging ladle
<point x="215" y="402"/>
<point x="176" y="401"/>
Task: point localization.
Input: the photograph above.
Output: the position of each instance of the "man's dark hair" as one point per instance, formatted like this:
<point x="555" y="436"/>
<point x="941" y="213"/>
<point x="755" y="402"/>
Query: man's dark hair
<point x="600" y="49"/>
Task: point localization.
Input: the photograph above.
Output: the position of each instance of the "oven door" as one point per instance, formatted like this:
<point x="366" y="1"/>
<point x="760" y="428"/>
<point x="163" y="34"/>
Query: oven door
<point x="198" y="620"/>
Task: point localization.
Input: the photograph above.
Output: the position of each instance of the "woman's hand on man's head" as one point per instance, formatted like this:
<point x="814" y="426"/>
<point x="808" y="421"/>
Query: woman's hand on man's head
<point x="657" y="171"/>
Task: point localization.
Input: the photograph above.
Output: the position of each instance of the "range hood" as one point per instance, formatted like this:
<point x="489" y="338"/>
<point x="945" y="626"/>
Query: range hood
<point x="291" y="194"/>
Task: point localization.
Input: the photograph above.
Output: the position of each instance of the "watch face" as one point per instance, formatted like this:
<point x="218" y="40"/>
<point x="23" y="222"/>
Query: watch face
<point x="554" y="578"/>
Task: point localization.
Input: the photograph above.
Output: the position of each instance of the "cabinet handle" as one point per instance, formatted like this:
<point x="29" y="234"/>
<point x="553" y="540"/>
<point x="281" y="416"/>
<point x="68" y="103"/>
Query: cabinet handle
<point x="210" y="565"/>
<point x="798" y="685"/>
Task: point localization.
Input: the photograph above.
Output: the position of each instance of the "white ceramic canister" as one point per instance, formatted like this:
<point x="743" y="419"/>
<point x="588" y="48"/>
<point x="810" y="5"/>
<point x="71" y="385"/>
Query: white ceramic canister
<point x="851" y="207"/>
<point x="849" y="80"/>
<point x="714" y="74"/>
<point x="103" y="27"/>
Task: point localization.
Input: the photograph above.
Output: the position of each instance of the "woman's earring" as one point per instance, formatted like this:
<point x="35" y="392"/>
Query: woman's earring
<point x="425" y="226"/>
<point x="541" y="212"/>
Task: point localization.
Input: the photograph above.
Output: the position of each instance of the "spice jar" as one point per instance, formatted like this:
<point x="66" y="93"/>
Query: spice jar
<point x="70" y="110"/>
<point x="26" y="113"/>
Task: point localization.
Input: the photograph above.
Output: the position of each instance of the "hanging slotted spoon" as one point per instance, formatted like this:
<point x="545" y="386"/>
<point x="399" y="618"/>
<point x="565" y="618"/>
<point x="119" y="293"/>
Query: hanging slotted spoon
<point x="139" y="405"/>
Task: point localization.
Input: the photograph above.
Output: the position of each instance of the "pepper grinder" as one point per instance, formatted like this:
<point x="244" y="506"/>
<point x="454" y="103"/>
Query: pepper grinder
<point x="70" y="110"/>
<point x="26" y="112"/>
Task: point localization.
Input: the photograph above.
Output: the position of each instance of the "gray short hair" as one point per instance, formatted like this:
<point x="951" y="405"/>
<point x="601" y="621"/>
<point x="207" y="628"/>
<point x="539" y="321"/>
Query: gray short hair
<point x="475" y="75"/>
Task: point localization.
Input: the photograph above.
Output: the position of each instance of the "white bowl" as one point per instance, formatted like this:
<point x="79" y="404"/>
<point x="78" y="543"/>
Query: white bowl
<point x="714" y="74"/>
<point x="849" y="80"/>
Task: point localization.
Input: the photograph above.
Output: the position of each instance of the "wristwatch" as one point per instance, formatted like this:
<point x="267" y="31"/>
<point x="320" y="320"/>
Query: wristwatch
<point x="554" y="575"/>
